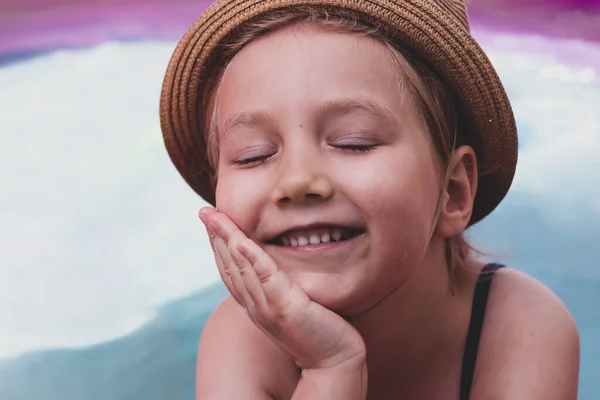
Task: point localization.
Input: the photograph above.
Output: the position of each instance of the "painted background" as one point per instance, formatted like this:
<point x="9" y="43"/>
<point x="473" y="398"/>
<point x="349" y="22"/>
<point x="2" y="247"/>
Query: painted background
<point x="106" y="276"/>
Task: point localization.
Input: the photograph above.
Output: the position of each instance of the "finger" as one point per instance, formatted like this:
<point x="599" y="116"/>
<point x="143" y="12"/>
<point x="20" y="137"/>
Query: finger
<point x="225" y="227"/>
<point x="252" y="285"/>
<point x="209" y="215"/>
<point x="251" y="281"/>
<point x="225" y="277"/>
<point x="205" y="213"/>
<point x="276" y="285"/>
<point x="231" y="268"/>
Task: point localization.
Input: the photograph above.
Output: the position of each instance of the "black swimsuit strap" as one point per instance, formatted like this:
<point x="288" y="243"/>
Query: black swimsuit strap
<point x="480" y="297"/>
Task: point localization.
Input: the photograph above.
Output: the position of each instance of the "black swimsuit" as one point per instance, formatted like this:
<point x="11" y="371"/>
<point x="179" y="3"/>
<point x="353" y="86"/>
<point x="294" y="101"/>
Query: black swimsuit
<point x="480" y="297"/>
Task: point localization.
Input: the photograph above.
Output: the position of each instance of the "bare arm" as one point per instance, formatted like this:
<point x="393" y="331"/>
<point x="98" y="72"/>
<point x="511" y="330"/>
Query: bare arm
<point x="237" y="361"/>
<point x="330" y="385"/>
<point x="530" y="345"/>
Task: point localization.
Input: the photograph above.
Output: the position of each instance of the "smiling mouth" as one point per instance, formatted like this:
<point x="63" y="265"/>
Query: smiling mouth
<point x="316" y="236"/>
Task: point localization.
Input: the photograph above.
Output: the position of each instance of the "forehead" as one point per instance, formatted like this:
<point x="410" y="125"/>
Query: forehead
<point x="299" y="67"/>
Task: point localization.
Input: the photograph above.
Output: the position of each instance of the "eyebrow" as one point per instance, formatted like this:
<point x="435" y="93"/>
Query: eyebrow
<point x="246" y="118"/>
<point x="329" y="108"/>
<point x="347" y="106"/>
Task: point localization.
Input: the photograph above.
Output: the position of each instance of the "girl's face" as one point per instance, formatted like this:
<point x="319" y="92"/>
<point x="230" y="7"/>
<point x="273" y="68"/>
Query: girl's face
<point x="318" y="140"/>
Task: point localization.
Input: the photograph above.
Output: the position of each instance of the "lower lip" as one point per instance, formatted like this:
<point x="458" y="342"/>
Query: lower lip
<point x="321" y="247"/>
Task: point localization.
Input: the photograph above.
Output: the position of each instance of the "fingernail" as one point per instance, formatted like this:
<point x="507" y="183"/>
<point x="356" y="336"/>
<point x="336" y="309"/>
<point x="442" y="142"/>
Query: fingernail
<point x="203" y="216"/>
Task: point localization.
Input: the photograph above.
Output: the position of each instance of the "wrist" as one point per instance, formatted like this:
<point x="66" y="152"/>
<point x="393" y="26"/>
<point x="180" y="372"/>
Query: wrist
<point x="352" y="358"/>
<point x="343" y="382"/>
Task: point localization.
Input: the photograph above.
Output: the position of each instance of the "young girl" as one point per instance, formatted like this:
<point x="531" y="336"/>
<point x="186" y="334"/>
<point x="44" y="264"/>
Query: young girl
<point x="347" y="145"/>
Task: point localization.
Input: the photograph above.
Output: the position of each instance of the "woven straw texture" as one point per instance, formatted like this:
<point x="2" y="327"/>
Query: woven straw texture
<point x="437" y="31"/>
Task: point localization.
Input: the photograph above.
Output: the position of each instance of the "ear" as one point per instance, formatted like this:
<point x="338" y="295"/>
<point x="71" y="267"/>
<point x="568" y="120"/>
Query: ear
<point x="457" y="199"/>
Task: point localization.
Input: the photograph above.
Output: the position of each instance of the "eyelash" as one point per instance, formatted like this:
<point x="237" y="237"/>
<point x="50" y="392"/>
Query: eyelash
<point x="357" y="147"/>
<point x="348" y="147"/>
<point x="252" y="160"/>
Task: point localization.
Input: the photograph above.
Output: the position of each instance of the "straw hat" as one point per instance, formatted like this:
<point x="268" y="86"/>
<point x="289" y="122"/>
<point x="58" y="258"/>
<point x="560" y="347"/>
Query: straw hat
<point x="436" y="30"/>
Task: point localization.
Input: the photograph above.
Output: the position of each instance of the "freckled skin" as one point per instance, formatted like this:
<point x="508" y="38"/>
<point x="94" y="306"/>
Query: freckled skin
<point x="392" y="190"/>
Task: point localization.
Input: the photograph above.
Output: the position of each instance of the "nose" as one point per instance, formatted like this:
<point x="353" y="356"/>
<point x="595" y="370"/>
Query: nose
<point x="302" y="180"/>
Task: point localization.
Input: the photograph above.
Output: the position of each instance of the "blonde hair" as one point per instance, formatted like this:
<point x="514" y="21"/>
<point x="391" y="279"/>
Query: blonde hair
<point x="429" y="95"/>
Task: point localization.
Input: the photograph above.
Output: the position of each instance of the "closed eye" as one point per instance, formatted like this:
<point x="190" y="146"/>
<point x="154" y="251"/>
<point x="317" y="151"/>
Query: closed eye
<point x="262" y="158"/>
<point x="252" y="160"/>
<point x="356" y="147"/>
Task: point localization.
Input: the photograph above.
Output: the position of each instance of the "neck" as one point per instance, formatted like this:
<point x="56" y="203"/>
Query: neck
<point x="420" y="328"/>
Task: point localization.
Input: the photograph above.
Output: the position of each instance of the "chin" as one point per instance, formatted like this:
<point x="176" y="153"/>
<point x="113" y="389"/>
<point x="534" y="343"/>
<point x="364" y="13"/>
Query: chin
<point x="332" y="291"/>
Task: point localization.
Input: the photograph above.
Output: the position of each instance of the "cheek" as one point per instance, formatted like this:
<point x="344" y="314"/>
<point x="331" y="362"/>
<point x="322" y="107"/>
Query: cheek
<point x="239" y="199"/>
<point x="397" y="188"/>
<point x="403" y="230"/>
<point x="400" y="208"/>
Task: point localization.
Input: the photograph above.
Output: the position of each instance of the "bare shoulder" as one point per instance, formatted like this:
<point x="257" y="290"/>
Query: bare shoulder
<point x="236" y="360"/>
<point x="529" y="345"/>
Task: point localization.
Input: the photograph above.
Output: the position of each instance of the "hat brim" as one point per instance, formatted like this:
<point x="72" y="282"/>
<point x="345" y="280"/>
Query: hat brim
<point x="432" y="33"/>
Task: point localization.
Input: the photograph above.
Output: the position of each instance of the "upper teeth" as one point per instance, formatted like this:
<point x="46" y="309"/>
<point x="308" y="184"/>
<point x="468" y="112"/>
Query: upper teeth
<point x="313" y="237"/>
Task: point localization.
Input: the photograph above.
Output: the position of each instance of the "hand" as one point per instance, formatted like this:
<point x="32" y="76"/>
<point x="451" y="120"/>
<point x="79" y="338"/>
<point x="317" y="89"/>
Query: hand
<point x="314" y="336"/>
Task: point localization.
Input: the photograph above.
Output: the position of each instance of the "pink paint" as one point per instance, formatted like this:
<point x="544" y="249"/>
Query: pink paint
<point x="566" y="4"/>
<point x="550" y="21"/>
<point x="42" y="25"/>
<point x="70" y="25"/>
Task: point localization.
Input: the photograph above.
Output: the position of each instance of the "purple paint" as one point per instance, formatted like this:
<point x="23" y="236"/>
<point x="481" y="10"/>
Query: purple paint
<point x="35" y="25"/>
<point x="549" y="20"/>
<point x="82" y="25"/>
<point x="567" y="4"/>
